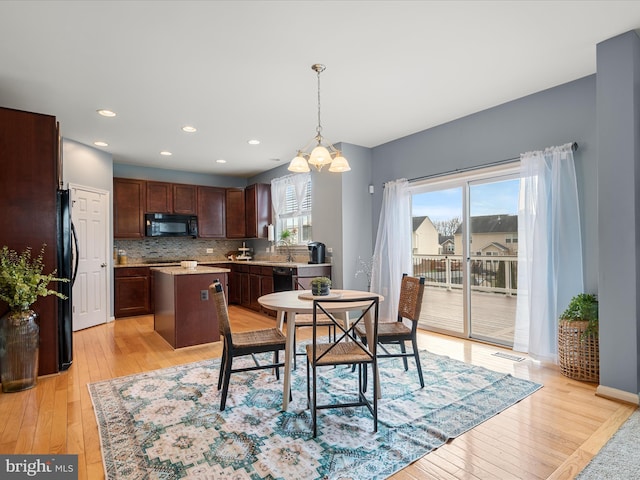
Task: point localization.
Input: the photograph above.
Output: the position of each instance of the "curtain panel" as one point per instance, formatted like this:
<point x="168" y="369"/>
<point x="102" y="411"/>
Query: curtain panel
<point x="550" y="249"/>
<point x="392" y="253"/>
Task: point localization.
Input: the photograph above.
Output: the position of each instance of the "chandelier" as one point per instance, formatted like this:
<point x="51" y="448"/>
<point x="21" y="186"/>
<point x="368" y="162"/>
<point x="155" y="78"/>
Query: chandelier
<point x="324" y="153"/>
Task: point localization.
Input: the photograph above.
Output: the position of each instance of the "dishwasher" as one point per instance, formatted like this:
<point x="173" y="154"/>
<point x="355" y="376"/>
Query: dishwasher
<point x="283" y="279"/>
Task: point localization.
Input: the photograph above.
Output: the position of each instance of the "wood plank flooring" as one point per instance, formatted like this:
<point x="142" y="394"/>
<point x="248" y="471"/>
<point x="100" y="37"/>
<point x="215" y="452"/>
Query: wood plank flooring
<point x="550" y="434"/>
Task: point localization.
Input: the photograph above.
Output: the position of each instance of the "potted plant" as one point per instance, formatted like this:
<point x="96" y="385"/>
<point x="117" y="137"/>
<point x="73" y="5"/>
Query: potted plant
<point x="320" y="286"/>
<point x="578" y="351"/>
<point x="21" y="283"/>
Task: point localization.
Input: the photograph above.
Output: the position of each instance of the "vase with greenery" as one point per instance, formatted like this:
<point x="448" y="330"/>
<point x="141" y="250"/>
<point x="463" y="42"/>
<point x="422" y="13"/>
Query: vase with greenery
<point x="21" y="283"/>
<point x="578" y="351"/>
<point x="320" y="286"/>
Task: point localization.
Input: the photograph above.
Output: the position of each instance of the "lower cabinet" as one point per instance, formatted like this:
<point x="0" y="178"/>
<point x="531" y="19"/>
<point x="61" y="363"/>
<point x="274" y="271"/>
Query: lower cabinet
<point x="132" y="291"/>
<point x="304" y="275"/>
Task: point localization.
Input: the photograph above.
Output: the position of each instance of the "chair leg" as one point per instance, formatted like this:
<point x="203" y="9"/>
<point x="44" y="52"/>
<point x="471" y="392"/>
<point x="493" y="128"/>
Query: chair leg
<point x="275" y="360"/>
<point x="403" y="349"/>
<point x="223" y="361"/>
<point x="225" y="387"/>
<point x="374" y="371"/>
<point x="417" y="357"/>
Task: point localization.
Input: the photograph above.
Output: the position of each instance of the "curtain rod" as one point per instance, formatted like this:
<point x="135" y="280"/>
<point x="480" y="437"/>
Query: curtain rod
<point x="574" y="147"/>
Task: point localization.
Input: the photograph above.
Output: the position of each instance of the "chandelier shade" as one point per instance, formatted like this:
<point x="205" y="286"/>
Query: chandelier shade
<point x="324" y="153"/>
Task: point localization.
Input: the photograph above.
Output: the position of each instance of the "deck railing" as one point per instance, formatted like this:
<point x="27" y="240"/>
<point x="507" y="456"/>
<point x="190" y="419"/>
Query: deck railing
<point x="498" y="274"/>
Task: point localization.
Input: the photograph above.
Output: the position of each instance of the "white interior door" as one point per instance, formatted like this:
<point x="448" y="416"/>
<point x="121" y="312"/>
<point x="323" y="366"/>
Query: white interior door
<point x="89" y="208"/>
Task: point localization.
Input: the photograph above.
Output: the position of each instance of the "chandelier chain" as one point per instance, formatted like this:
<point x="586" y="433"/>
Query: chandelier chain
<point x="319" y="69"/>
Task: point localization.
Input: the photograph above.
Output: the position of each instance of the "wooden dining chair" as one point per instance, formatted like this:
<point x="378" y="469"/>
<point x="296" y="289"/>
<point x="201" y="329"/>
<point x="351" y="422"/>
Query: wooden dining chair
<point x="346" y="349"/>
<point x="239" y="344"/>
<point x="396" y="332"/>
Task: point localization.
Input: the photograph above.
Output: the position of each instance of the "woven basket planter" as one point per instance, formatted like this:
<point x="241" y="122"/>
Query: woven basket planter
<point x="578" y="353"/>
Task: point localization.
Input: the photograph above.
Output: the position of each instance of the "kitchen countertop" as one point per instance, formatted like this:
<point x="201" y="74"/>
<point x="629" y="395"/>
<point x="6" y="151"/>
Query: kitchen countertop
<point x="263" y="263"/>
<point x="199" y="270"/>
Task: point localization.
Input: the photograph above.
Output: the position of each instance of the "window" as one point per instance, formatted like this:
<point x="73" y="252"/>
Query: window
<point x="291" y="216"/>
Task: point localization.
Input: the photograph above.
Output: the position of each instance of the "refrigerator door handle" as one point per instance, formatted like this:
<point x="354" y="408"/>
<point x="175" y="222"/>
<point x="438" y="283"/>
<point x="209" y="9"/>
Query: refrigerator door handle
<point x="76" y="256"/>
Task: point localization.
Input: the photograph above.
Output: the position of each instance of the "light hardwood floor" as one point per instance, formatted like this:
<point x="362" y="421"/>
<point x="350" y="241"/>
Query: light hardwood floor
<point x="550" y="434"/>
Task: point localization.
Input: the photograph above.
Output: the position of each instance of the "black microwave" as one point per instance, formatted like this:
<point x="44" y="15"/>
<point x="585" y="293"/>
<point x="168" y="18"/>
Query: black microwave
<point x="166" y="225"/>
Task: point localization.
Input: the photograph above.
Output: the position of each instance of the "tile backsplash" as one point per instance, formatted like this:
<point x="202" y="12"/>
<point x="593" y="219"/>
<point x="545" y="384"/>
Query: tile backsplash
<point x="148" y="249"/>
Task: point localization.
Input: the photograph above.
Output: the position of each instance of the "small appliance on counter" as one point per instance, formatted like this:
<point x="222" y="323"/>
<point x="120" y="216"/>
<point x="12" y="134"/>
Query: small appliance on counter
<point x="316" y="252"/>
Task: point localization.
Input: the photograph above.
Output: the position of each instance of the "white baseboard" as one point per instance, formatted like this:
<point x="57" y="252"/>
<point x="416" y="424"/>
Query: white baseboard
<point x="615" y="394"/>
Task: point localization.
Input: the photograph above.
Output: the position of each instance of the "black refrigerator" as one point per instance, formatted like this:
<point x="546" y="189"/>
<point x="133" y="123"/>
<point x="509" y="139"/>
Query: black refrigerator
<point x="67" y="268"/>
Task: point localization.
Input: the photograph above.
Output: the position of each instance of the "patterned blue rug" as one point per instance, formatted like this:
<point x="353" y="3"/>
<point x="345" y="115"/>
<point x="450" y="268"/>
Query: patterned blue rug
<point x="166" y="424"/>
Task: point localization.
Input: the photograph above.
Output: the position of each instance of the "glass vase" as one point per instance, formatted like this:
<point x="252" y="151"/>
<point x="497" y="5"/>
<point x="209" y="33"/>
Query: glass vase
<point x="19" y="348"/>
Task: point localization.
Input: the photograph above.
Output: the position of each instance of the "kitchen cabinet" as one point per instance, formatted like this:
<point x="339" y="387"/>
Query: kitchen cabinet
<point x="185" y="314"/>
<point x="211" y="212"/>
<point x="260" y="283"/>
<point x="184" y="199"/>
<point x="248" y="211"/>
<point x="159" y="197"/>
<point x="128" y="207"/>
<point x="257" y="202"/>
<point x="132" y="291"/>
<point x="304" y="274"/>
<point x="163" y="197"/>
<point x="29" y="153"/>
<point x="235" y="211"/>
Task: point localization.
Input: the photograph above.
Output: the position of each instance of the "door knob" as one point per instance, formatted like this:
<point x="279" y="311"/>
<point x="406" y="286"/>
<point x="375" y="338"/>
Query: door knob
<point x="103" y="265"/>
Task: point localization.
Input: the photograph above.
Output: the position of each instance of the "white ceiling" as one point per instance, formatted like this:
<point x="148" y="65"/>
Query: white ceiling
<point x="239" y="70"/>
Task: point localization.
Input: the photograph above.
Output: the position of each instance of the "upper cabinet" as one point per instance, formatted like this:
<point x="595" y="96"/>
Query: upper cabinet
<point x="159" y="198"/>
<point x="163" y="197"/>
<point x="257" y="202"/>
<point x="222" y="212"/>
<point x="235" y="213"/>
<point x="184" y="199"/>
<point x="211" y="212"/>
<point x="128" y="207"/>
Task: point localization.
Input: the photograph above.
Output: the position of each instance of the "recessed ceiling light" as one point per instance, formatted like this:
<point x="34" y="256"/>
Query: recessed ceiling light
<point x="254" y="142"/>
<point x="101" y="144"/>
<point x="221" y="160"/>
<point x="166" y="153"/>
<point x="107" y="113"/>
<point x="189" y="129"/>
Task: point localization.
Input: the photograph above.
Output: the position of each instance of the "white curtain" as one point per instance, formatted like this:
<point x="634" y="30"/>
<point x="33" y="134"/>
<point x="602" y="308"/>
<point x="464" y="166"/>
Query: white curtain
<point x="549" y="249"/>
<point x="279" y="191"/>
<point x="392" y="254"/>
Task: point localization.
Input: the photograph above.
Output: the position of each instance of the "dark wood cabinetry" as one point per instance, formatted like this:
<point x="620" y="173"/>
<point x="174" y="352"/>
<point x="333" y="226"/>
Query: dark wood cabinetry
<point x="128" y="207"/>
<point x="29" y="147"/>
<point x="257" y="202"/>
<point x="304" y="275"/>
<point x="185" y="314"/>
<point x="184" y="199"/>
<point x="163" y="197"/>
<point x="132" y="292"/>
<point x="211" y="212"/>
<point x="159" y="197"/>
<point x="235" y="208"/>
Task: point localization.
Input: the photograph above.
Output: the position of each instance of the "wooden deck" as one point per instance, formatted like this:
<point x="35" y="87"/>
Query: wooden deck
<point x="492" y="314"/>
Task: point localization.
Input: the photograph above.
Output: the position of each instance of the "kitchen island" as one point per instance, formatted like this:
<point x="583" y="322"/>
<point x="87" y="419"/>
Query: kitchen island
<point x="184" y="314"/>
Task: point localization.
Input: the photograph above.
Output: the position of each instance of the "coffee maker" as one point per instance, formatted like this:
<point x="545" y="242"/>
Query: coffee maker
<point x="316" y="252"/>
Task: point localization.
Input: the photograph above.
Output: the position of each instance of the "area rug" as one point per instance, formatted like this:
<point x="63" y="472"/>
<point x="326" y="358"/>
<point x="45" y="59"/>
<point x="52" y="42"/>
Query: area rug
<point x="166" y="424"/>
<point x="618" y="459"/>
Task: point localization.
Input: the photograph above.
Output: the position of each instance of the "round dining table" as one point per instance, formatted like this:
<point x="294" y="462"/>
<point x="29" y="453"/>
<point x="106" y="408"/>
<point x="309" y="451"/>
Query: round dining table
<point x="293" y="302"/>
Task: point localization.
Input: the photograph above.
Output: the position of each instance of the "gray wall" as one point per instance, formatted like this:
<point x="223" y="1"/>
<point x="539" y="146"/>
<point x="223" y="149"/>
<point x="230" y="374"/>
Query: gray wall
<point x="90" y="167"/>
<point x="552" y="117"/>
<point x="341" y="214"/>
<point x="618" y="102"/>
<point x="175" y="176"/>
<point x="603" y="117"/>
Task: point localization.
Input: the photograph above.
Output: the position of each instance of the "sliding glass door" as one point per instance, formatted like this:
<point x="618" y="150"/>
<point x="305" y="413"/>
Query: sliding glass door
<point x="465" y="243"/>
